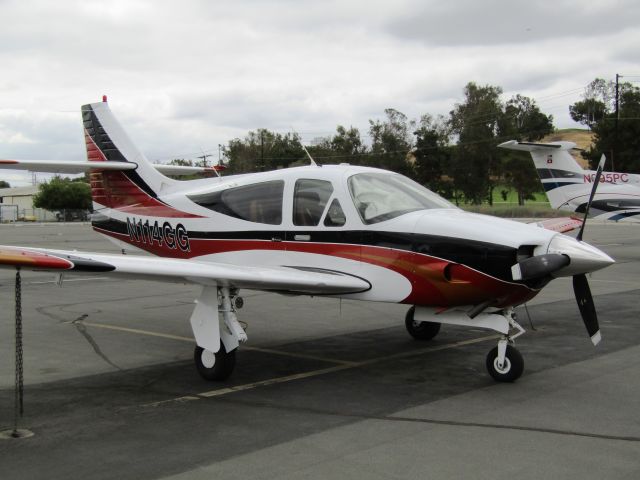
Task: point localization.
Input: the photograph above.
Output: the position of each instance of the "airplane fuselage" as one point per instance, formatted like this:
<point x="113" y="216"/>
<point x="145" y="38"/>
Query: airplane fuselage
<point x="437" y="255"/>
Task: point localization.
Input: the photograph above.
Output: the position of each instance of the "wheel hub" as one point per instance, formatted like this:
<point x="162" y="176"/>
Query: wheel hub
<point x="208" y="358"/>
<point x="505" y="367"/>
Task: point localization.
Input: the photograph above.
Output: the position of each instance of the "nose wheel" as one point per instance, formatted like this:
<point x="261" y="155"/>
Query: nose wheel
<point x="507" y="370"/>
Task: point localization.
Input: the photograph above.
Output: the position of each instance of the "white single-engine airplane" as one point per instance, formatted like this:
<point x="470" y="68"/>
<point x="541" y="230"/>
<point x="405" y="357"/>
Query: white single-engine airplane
<point x="337" y="230"/>
<point x="568" y="185"/>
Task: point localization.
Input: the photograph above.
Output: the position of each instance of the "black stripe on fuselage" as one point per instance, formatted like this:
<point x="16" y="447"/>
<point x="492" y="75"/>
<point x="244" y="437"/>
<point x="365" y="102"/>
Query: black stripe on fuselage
<point x="102" y="140"/>
<point x="623" y="215"/>
<point x="489" y="258"/>
<point x="612" y="205"/>
<point x="545" y="173"/>
<point x="552" y="185"/>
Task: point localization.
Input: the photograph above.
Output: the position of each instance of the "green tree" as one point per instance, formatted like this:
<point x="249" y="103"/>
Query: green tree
<point x="522" y="120"/>
<point x="4" y="184"/>
<point x="181" y="162"/>
<point x="347" y="145"/>
<point x="598" y="99"/>
<point x="618" y="137"/>
<point x="476" y="161"/>
<point x="263" y="150"/>
<point x="391" y="142"/>
<point x="432" y="155"/>
<point x="63" y="194"/>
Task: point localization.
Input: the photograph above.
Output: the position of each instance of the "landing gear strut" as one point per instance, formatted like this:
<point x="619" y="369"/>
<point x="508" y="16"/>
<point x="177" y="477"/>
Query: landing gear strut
<point x="217" y="332"/>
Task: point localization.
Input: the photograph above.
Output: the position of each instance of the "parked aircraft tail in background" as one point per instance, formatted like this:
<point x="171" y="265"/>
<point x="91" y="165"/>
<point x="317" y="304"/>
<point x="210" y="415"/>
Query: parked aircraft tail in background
<point x="568" y="185"/>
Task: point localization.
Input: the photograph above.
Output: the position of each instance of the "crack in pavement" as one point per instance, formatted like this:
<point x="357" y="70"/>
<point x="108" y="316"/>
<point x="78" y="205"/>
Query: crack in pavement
<point x="82" y="328"/>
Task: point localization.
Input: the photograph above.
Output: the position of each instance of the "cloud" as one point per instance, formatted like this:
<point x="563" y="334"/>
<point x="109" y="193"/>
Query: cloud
<point x="494" y="22"/>
<point x="186" y="76"/>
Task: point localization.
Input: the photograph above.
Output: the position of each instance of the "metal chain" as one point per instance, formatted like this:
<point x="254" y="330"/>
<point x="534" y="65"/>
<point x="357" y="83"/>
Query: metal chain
<point x="19" y="387"/>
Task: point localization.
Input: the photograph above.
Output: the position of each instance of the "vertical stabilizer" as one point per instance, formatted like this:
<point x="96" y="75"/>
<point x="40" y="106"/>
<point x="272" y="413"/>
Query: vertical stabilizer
<point x="558" y="170"/>
<point x="107" y="141"/>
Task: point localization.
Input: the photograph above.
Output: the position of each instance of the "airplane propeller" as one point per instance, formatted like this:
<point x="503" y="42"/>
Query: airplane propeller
<point x="593" y="192"/>
<point x="580" y="284"/>
<point x="582" y="257"/>
<point x="586" y="306"/>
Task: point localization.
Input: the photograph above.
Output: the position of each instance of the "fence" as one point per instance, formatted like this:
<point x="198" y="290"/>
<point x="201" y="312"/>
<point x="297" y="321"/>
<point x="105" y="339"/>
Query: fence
<point x="13" y="213"/>
<point x="8" y="213"/>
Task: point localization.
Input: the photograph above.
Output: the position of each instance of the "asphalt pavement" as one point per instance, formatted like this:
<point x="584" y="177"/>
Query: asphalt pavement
<point x="323" y="388"/>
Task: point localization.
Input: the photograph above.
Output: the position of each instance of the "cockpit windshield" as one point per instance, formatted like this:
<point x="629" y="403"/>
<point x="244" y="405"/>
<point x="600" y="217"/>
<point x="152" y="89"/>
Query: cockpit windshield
<point x="383" y="196"/>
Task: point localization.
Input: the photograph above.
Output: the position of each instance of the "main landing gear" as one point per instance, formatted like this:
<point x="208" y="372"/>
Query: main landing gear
<point x="504" y="362"/>
<point x="214" y="366"/>
<point x="217" y="332"/>
<point x="420" y="330"/>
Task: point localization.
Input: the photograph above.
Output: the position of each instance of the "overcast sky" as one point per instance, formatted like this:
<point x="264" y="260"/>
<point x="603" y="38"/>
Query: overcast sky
<point x="184" y="76"/>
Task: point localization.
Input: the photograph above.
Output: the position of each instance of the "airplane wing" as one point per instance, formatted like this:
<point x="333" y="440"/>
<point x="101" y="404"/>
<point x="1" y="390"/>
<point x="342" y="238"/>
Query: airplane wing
<point x="561" y="225"/>
<point x="284" y="279"/>
<point x="59" y="166"/>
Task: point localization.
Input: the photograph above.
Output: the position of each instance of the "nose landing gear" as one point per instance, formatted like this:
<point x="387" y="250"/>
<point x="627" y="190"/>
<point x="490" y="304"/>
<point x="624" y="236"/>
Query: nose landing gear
<point x="504" y="362"/>
<point x="511" y="367"/>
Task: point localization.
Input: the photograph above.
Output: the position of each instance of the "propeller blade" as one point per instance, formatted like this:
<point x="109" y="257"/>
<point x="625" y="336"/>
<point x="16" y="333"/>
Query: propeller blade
<point x="539" y="266"/>
<point x="593" y="192"/>
<point x="586" y="306"/>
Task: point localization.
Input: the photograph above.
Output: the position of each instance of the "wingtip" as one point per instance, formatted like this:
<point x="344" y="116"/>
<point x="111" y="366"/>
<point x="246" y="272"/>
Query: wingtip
<point x="596" y="337"/>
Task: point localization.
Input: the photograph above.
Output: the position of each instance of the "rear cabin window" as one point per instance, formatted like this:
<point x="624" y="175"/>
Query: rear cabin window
<point x="310" y="198"/>
<point x="335" y="215"/>
<point x="259" y="203"/>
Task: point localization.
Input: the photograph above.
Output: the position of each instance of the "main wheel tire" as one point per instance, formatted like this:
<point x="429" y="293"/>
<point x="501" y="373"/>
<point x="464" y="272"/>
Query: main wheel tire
<point x="512" y="368"/>
<point x="420" y="330"/>
<point x="214" y="366"/>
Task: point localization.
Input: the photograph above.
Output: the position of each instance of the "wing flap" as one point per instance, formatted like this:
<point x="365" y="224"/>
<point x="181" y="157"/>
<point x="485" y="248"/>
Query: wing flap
<point x="283" y="278"/>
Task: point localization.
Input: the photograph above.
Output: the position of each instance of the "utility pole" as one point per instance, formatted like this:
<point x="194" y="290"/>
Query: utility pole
<point x="615" y="135"/>
<point x="262" y="150"/>
<point x="204" y="159"/>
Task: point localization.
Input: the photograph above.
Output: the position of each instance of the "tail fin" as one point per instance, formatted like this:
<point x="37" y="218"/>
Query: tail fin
<point x="549" y="156"/>
<point x="107" y="141"/>
<point x="556" y="167"/>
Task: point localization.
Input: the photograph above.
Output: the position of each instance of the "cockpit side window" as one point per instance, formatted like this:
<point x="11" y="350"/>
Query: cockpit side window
<point x="259" y="203"/>
<point x="310" y="198"/>
<point x="335" y="215"/>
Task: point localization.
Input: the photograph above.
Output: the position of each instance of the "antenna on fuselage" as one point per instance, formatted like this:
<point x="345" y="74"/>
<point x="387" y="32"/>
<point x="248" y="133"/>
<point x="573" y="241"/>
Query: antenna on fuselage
<point x="313" y="162"/>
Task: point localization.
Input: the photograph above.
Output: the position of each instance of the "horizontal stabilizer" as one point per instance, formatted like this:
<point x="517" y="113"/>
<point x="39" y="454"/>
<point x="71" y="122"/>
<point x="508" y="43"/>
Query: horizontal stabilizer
<point x="57" y="166"/>
<point x="532" y="146"/>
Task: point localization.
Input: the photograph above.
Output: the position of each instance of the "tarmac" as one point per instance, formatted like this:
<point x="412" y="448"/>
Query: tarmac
<point x="322" y="389"/>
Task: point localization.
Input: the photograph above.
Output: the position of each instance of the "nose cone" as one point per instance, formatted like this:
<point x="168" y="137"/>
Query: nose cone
<point x="584" y="258"/>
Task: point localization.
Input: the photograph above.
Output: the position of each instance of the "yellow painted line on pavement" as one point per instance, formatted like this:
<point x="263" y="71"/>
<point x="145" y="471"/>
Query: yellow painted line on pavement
<point x="314" y="373"/>
<point x="341" y="364"/>
<point x="190" y="340"/>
